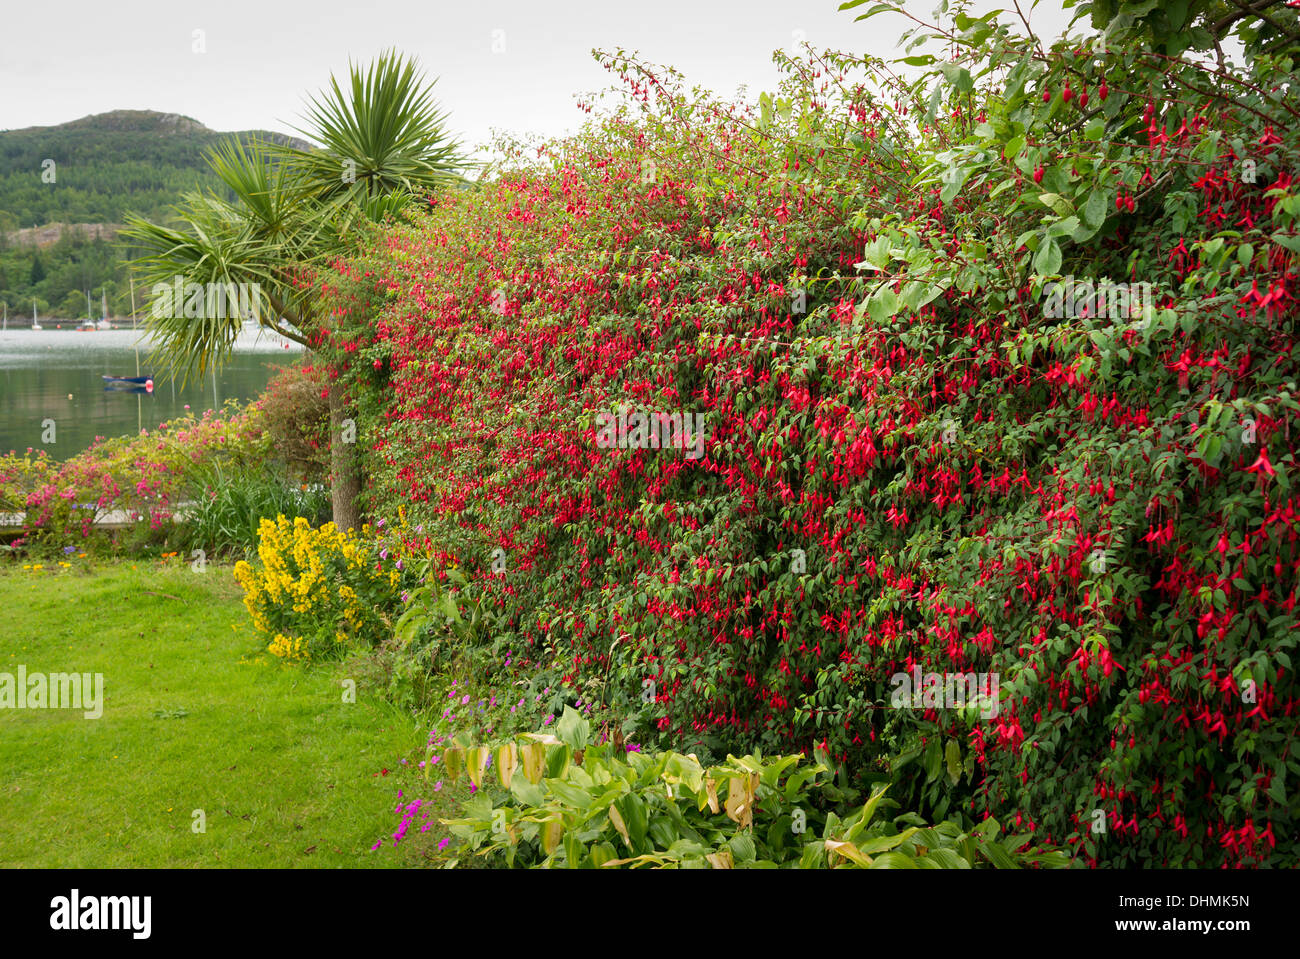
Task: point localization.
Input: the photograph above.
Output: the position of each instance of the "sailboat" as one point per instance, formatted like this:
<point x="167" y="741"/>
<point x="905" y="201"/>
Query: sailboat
<point x="88" y="324"/>
<point x="35" y="323"/>
<point x="104" y="324"/>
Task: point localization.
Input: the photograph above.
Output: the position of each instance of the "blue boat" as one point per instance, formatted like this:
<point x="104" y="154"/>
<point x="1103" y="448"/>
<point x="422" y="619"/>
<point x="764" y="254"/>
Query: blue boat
<point x="120" y="382"/>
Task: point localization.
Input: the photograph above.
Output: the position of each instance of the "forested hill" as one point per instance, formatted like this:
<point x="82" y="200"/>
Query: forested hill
<point x="104" y="165"/>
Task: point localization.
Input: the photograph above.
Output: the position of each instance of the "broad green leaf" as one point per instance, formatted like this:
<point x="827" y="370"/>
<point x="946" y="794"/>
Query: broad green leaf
<point x="893" y="860"/>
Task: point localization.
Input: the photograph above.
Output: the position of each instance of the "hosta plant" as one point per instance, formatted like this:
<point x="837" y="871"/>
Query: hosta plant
<point x="560" y="801"/>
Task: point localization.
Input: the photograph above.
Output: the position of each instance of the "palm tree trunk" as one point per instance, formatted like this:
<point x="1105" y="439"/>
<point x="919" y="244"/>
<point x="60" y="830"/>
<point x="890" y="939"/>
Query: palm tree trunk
<point x="344" y="469"/>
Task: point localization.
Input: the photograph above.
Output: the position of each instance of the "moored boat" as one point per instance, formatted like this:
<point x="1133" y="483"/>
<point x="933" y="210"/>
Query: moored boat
<point x="128" y="382"/>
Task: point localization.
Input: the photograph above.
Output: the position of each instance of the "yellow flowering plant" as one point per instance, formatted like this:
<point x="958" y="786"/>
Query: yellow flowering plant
<point x="317" y="591"/>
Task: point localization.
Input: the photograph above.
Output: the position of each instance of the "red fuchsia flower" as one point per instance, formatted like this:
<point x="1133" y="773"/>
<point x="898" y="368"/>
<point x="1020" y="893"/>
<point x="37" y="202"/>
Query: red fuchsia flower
<point x="1262" y="464"/>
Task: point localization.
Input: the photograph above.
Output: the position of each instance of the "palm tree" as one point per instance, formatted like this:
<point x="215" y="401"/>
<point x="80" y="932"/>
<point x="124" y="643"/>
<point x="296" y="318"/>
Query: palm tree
<point x="383" y="147"/>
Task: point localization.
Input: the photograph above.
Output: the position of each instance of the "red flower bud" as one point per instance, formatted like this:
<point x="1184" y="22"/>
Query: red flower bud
<point x="1047" y="96"/>
<point x="1103" y="91"/>
<point x="1083" y="99"/>
<point x="1038" y="175"/>
<point x="1067" y="94"/>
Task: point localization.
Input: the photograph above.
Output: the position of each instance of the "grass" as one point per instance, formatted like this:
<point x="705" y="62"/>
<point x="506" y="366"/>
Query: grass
<point x="195" y="717"/>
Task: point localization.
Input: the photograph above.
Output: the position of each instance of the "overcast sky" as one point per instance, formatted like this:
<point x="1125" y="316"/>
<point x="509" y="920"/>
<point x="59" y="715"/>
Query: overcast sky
<point x="59" y="62"/>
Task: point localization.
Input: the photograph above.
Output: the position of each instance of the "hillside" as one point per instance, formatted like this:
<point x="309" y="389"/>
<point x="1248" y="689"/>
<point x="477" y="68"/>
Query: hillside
<point x="58" y="222"/>
<point x="106" y="164"/>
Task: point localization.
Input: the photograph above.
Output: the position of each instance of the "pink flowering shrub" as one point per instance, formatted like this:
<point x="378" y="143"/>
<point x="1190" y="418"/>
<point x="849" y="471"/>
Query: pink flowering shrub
<point x="142" y="477"/>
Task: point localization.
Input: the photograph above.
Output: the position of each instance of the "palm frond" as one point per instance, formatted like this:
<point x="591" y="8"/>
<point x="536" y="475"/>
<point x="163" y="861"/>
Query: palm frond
<point x="384" y="133"/>
<point x="191" y="273"/>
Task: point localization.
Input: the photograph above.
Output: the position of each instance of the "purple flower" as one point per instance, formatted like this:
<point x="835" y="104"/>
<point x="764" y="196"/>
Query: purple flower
<point x="442" y="843"/>
<point x="465" y="699"/>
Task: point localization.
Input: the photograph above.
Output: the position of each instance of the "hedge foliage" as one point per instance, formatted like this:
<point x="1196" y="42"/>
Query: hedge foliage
<point x="926" y="443"/>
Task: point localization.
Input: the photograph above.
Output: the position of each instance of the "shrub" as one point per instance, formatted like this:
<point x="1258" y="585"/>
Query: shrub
<point x="295" y="410"/>
<point x="318" y="592"/>
<point x="914" y="457"/>
<point x="145" y="476"/>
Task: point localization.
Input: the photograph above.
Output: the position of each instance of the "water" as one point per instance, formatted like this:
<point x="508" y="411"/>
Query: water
<point x="40" y="369"/>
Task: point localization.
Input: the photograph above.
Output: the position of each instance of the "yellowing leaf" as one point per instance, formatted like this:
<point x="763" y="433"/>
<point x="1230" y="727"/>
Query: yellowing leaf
<point x="551" y="834"/>
<point x="451" y="761"/>
<point x="740" y="799"/>
<point x="711" y="786"/>
<point x="507" y="762"/>
<point x="847" y="850"/>
<point x="475" y="762"/>
<point x="533" y="756"/>
<point x="621" y="826"/>
<point x="721" y="859"/>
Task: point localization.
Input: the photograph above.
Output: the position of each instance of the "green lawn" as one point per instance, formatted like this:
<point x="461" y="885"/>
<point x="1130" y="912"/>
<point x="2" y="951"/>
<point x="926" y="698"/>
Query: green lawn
<point x="195" y="716"/>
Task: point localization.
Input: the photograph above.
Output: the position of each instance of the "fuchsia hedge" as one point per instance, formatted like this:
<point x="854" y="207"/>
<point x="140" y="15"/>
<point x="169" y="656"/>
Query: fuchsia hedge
<point x="906" y="461"/>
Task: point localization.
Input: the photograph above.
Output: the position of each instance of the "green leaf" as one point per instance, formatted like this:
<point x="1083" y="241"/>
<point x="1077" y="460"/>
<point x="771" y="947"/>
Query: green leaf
<point x="957" y="75"/>
<point x="882" y="306"/>
<point x="893" y="860"/>
<point x="997" y="855"/>
<point x="952" y="753"/>
<point x="1057" y="203"/>
<point x="1047" y="260"/>
<point x="933" y="760"/>
<point x="1094" y="210"/>
<point x="573" y="730"/>
<point x="742" y="847"/>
